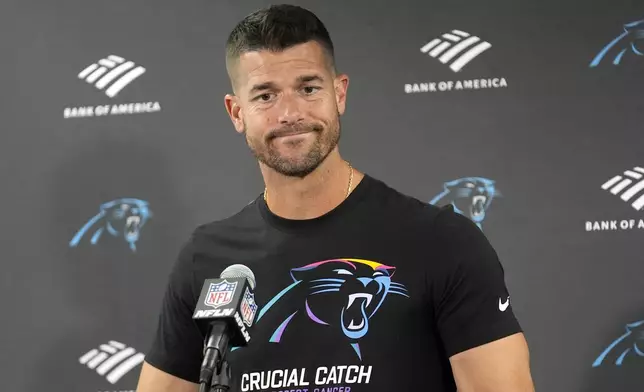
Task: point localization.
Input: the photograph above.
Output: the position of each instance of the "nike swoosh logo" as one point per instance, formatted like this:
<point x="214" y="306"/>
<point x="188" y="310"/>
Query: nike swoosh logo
<point x="504" y="305"/>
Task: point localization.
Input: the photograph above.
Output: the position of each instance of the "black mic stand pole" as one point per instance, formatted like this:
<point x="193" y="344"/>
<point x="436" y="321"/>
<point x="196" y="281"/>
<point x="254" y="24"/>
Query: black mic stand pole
<point x="215" y="348"/>
<point x="221" y="378"/>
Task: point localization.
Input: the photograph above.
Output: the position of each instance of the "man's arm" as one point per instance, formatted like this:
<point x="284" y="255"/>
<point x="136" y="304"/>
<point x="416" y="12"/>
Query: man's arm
<point x="499" y="366"/>
<point x="480" y="334"/>
<point x="155" y="380"/>
<point x="173" y="361"/>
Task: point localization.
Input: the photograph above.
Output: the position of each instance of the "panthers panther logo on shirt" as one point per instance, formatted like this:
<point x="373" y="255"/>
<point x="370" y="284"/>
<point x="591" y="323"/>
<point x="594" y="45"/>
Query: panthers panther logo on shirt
<point x="358" y="287"/>
<point x="470" y="196"/>
<point x="122" y="218"/>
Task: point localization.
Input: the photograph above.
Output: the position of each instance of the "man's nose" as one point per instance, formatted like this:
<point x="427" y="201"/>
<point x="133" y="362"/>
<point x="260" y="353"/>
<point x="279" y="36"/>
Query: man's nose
<point x="289" y="109"/>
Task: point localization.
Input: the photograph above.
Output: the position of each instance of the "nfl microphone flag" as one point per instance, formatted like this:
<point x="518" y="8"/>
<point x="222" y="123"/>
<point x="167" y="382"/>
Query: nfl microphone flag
<point x="248" y="308"/>
<point x="231" y="300"/>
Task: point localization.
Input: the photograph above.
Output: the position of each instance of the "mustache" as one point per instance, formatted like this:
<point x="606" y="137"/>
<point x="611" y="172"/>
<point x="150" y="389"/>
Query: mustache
<point x="293" y="129"/>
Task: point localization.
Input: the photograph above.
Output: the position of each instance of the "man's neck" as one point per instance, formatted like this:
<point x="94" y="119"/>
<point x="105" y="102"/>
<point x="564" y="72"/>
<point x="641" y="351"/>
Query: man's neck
<point x="314" y="195"/>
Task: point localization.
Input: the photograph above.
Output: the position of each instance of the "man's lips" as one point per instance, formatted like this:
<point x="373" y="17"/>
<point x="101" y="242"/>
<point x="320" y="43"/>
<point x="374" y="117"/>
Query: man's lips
<point x="288" y="134"/>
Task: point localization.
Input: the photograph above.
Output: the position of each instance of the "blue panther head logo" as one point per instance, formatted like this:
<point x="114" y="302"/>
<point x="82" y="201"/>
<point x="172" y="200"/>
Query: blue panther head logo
<point x="630" y="344"/>
<point x="122" y="218"/>
<point x="470" y="196"/>
<point x="343" y="294"/>
<point x="631" y="40"/>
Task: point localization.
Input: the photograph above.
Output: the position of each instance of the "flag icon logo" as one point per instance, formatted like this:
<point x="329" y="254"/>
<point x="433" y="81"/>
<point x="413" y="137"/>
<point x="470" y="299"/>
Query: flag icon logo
<point x="629" y="186"/>
<point x="456" y="48"/>
<point x="113" y="360"/>
<point x="111" y="74"/>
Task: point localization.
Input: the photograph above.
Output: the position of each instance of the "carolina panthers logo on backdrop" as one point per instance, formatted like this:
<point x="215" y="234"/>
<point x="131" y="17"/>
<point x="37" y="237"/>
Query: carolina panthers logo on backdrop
<point x="470" y="196"/>
<point x="358" y="287"/>
<point x="630" y="41"/>
<point x="120" y="218"/>
<point x="630" y="344"/>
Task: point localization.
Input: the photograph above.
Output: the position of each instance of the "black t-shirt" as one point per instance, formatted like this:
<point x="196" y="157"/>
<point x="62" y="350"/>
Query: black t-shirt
<point x="375" y="295"/>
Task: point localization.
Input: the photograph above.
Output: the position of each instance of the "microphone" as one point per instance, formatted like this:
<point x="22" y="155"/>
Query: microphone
<point x="228" y="304"/>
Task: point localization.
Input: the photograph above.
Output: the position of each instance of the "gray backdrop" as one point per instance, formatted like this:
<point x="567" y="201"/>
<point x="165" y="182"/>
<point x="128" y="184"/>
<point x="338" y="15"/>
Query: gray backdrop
<point x="542" y="128"/>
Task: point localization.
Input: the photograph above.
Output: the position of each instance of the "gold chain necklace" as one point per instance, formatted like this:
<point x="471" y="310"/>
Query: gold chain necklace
<point x="348" y="188"/>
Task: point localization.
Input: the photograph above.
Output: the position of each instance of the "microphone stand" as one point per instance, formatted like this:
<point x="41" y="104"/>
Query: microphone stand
<point x="221" y="378"/>
<point x="215" y="372"/>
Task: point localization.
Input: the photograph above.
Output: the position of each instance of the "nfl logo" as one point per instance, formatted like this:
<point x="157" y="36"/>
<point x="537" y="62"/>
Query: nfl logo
<point x="248" y="308"/>
<point x="220" y="294"/>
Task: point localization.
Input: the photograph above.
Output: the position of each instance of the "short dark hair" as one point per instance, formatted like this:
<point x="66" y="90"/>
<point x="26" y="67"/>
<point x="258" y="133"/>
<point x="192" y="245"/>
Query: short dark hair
<point x="276" y="28"/>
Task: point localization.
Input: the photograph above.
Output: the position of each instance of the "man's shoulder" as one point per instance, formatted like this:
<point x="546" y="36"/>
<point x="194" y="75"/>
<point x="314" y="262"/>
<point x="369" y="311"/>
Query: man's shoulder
<point x="419" y="218"/>
<point x="401" y="205"/>
<point x="249" y="216"/>
<point x="244" y="222"/>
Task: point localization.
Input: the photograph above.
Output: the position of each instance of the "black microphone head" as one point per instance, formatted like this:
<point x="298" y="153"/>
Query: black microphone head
<point x="239" y="271"/>
<point x="230" y="299"/>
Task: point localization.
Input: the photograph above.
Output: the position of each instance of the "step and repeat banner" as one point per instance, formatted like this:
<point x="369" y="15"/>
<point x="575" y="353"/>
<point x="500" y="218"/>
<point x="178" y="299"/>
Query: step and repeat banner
<point x="525" y="115"/>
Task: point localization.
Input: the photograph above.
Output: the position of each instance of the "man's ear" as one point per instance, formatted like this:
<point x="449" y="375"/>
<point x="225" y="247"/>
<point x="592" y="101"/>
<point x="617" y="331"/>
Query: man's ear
<point x="234" y="111"/>
<point x="340" y="85"/>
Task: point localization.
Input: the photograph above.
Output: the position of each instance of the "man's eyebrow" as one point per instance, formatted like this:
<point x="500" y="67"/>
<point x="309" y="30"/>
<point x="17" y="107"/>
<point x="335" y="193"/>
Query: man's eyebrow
<point x="300" y="79"/>
<point x="261" y="87"/>
<point x="310" y="78"/>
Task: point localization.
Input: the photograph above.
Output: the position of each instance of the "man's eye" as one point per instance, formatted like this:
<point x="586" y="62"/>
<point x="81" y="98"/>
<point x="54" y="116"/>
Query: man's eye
<point x="264" y="97"/>
<point x="310" y="89"/>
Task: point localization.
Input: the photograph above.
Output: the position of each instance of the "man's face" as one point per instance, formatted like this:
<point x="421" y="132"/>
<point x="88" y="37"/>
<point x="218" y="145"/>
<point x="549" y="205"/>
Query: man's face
<point x="288" y="105"/>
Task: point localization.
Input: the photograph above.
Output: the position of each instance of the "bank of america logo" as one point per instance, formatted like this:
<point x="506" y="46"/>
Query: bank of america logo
<point x="112" y="360"/>
<point x="629" y="187"/>
<point x="457" y="48"/>
<point x="112" y="71"/>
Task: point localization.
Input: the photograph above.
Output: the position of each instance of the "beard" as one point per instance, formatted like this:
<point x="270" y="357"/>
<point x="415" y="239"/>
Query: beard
<point x="326" y="139"/>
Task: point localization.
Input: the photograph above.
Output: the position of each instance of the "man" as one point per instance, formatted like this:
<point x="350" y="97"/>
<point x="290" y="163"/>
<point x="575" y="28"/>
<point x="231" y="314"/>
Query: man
<point x="360" y="287"/>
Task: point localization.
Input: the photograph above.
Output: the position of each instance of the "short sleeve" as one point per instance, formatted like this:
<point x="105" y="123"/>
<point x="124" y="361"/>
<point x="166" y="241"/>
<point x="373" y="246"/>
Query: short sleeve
<point x="177" y="347"/>
<point x="470" y="298"/>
